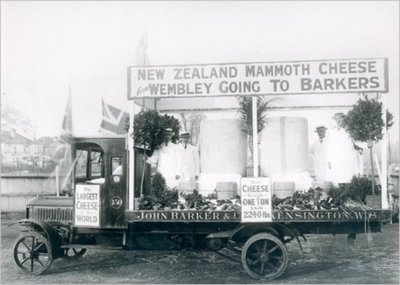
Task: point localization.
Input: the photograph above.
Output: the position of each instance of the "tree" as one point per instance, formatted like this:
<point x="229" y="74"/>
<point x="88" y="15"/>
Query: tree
<point x="12" y="119"/>
<point x="364" y="123"/>
<point x="245" y="110"/>
<point x="149" y="126"/>
<point x="192" y="124"/>
<point x="148" y="132"/>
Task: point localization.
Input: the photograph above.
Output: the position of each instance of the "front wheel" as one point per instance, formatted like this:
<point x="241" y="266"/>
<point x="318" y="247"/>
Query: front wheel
<point x="32" y="253"/>
<point x="264" y="256"/>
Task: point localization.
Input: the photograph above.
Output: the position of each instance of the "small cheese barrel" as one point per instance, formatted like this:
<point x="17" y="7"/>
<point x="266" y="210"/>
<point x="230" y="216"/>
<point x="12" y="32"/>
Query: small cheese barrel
<point x="283" y="189"/>
<point x="226" y="190"/>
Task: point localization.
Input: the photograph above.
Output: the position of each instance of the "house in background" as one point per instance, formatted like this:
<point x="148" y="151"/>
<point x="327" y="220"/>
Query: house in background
<point x="15" y="149"/>
<point x="42" y="151"/>
<point x="19" y="153"/>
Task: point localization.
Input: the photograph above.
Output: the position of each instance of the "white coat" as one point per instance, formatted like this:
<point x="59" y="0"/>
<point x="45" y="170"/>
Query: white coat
<point x="189" y="161"/>
<point x="166" y="159"/>
<point x="319" y="152"/>
<point x="342" y="156"/>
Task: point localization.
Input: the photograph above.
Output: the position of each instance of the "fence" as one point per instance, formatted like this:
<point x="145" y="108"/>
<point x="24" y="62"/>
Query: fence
<point x="17" y="190"/>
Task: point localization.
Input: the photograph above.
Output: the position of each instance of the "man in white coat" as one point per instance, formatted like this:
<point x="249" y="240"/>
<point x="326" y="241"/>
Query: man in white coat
<point x="167" y="162"/>
<point x="189" y="161"/>
<point x="319" y="150"/>
<point x="342" y="153"/>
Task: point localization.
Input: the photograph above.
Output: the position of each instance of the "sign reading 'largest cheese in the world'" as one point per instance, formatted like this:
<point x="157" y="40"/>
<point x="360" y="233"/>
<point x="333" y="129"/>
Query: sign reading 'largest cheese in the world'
<point x="267" y="78"/>
<point x="87" y="205"/>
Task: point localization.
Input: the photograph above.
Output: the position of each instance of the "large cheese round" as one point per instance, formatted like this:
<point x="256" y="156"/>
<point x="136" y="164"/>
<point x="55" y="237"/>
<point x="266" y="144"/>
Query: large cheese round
<point x="284" y="146"/>
<point x="223" y="147"/>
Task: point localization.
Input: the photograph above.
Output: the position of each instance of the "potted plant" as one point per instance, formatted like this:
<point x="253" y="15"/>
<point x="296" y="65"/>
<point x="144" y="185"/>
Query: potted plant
<point x="364" y="123"/>
<point x="148" y="133"/>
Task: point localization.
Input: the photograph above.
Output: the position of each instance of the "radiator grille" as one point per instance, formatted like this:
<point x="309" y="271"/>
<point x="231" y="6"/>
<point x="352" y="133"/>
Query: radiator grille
<point x="53" y="214"/>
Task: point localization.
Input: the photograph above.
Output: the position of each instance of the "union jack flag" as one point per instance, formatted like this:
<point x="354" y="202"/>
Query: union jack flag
<point x="114" y="120"/>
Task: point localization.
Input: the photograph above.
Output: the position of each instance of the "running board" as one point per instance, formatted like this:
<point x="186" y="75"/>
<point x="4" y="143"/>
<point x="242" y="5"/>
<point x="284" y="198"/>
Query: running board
<point x="92" y="246"/>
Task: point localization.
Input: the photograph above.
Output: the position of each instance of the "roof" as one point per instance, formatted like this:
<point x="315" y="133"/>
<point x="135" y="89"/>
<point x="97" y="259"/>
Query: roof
<point x="102" y="136"/>
<point x="14" y="138"/>
<point x="309" y="101"/>
<point x="45" y="140"/>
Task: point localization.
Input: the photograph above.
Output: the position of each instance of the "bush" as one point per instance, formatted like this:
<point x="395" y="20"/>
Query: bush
<point x="161" y="195"/>
<point x="357" y="190"/>
<point x="360" y="187"/>
<point x="338" y="195"/>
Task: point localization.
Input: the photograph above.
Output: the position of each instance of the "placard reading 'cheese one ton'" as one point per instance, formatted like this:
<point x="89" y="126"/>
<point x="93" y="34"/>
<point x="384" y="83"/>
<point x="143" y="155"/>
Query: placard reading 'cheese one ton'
<point x="87" y="205"/>
<point x="256" y="199"/>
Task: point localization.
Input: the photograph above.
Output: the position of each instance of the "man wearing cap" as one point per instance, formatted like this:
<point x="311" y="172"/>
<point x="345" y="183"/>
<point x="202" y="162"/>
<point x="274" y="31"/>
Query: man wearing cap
<point x="319" y="155"/>
<point x="190" y="166"/>
<point x="166" y="160"/>
<point x="342" y="153"/>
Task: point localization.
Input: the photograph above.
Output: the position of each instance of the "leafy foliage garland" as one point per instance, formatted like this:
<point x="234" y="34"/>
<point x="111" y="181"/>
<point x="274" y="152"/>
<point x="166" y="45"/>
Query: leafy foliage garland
<point x="160" y="195"/>
<point x="357" y="190"/>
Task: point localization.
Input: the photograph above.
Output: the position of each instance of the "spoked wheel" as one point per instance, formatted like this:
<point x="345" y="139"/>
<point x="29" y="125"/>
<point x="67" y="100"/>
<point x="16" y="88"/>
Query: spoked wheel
<point x="32" y="253"/>
<point x="264" y="256"/>
<point x="74" y="253"/>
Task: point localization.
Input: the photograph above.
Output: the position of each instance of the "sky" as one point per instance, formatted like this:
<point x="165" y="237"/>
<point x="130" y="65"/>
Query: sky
<point x="51" y="47"/>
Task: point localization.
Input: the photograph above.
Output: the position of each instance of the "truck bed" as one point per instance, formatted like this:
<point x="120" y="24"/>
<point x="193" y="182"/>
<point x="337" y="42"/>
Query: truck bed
<point x="285" y="216"/>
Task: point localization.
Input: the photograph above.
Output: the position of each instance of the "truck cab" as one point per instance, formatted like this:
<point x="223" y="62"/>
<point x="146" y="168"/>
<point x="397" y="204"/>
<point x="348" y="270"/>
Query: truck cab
<point x="98" y="163"/>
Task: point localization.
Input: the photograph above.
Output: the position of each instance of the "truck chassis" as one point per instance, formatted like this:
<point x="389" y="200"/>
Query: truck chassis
<point x="48" y="233"/>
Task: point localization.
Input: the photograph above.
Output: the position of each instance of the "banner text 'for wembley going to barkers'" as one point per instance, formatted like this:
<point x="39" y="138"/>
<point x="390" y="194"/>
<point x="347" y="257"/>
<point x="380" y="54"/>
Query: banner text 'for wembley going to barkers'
<point x="268" y="78"/>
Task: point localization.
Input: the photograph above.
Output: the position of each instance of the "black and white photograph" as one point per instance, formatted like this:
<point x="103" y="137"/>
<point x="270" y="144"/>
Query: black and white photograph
<point x="200" y="142"/>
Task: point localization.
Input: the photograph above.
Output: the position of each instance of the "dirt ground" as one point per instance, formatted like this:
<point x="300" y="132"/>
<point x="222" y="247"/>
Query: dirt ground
<point x="326" y="259"/>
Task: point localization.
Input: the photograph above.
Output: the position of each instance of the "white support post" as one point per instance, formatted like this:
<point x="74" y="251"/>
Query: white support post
<point x="57" y="181"/>
<point x="384" y="157"/>
<point x="131" y="159"/>
<point x="255" y="137"/>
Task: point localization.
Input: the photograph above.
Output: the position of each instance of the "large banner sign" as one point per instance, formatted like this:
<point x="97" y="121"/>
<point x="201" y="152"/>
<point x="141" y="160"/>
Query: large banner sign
<point x="87" y="205"/>
<point x="267" y="78"/>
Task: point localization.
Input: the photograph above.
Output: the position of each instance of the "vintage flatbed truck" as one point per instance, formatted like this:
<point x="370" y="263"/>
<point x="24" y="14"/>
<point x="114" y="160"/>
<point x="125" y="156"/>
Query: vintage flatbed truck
<point x="96" y="215"/>
<point x="101" y="211"/>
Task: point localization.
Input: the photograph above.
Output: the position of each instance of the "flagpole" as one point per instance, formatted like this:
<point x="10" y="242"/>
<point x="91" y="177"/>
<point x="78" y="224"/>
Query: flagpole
<point x="141" y="60"/>
<point x="70" y="98"/>
<point x="255" y="135"/>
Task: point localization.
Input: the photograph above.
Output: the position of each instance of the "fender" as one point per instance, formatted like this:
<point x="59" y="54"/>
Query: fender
<point x="48" y="231"/>
<point x="294" y="235"/>
<point x="254" y="228"/>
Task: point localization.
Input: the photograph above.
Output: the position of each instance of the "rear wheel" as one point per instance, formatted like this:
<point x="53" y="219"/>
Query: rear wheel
<point x="32" y="253"/>
<point x="264" y="256"/>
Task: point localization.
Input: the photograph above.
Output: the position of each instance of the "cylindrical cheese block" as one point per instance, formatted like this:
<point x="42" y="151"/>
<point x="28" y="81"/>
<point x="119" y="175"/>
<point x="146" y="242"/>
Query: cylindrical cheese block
<point x="284" y="146"/>
<point x="223" y="147"/>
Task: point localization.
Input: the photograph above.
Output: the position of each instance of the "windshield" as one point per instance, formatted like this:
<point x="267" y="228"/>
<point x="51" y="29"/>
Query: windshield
<point x="89" y="164"/>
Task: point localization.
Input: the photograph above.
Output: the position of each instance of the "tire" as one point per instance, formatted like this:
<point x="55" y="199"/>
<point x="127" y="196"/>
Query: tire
<point x="32" y="253"/>
<point x="264" y="256"/>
